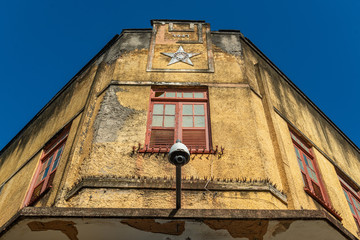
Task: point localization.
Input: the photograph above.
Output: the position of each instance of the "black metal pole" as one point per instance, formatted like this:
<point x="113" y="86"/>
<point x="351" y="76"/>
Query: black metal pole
<point x="178" y="186"/>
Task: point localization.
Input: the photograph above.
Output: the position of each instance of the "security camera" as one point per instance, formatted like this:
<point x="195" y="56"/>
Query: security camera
<point x="179" y="154"/>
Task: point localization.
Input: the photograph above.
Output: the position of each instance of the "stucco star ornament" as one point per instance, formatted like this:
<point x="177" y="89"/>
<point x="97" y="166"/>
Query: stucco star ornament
<point x="180" y="56"/>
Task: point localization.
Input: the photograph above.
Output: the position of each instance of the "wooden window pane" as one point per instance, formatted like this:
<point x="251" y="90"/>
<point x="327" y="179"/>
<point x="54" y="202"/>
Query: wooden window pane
<point x="357" y="205"/>
<point x="347" y="196"/>
<point x="169" y="121"/>
<point x="306" y="160"/>
<point x="311" y="164"/>
<point x="198" y="95"/>
<point x="39" y="177"/>
<point x="199" y="110"/>
<point x="188" y="95"/>
<point x="199" y="121"/>
<point x="187" y="121"/>
<point x="349" y="202"/>
<point x="169" y="109"/>
<point x="187" y="109"/>
<point x="314" y="177"/>
<point x="48" y="162"/>
<point x="299" y="159"/>
<point x="352" y="209"/>
<point x="56" y="162"/>
<point x="158" y="109"/>
<point x="46" y="172"/>
<point x="157" y="121"/>
<point x="170" y="94"/>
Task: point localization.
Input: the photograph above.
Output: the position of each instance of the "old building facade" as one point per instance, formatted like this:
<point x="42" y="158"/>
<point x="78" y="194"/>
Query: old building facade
<point x="265" y="162"/>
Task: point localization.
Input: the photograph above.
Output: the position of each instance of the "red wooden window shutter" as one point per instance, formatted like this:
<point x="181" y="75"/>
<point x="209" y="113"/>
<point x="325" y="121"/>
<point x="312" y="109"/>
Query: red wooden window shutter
<point x="194" y="138"/>
<point x="309" y="172"/>
<point x="352" y="197"/>
<point x="162" y="138"/>
<point x="45" y="173"/>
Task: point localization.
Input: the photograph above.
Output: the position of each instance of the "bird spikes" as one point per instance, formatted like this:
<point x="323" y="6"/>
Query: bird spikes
<point x="243" y="180"/>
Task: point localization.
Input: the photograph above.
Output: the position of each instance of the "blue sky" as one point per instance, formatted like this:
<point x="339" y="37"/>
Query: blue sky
<point x="43" y="44"/>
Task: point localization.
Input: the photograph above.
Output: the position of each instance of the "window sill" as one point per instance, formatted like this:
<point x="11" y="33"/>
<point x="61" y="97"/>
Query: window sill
<point x="166" y="150"/>
<point x="327" y="206"/>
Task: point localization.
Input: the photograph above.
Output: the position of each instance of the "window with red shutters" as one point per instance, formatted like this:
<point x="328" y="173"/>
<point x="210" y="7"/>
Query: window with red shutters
<point x="178" y="114"/>
<point x="352" y="197"/>
<point x="313" y="185"/>
<point x="47" y="167"/>
<point x="308" y="168"/>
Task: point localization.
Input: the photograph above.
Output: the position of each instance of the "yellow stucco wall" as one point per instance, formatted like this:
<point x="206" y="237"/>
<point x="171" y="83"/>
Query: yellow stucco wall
<point x="329" y="147"/>
<point x="21" y="158"/>
<point x="237" y="121"/>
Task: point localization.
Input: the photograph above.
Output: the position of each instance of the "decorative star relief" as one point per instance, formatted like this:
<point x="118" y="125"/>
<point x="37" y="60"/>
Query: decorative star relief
<point x="180" y="56"/>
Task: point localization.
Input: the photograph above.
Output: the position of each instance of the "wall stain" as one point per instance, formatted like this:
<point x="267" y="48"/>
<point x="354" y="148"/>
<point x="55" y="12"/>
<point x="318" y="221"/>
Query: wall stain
<point x="251" y="229"/>
<point x="149" y="225"/>
<point x="282" y="226"/>
<point x="66" y="227"/>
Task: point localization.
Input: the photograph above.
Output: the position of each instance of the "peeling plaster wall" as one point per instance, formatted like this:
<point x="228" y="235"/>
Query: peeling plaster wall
<point x="119" y="123"/>
<point x="111" y="117"/>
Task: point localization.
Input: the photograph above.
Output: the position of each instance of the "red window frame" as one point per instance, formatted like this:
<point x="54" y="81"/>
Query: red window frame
<point x="45" y="172"/>
<point x="313" y="183"/>
<point x="191" y="126"/>
<point x="352" y="197"/>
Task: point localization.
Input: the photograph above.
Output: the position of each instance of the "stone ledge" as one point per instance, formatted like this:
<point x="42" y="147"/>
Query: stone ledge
<point x="191" y="214"/>
<point x="191" y="184"/>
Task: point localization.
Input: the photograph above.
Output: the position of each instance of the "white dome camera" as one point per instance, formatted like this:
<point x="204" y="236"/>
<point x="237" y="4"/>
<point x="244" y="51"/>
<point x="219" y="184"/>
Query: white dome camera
<point x="179" y="154"/>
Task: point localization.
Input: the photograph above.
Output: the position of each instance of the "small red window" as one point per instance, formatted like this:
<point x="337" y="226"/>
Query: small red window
<point x="352" y="197"/>
<point x="310" y="175"/>
<point x="313" y="184"/>
<point x="178" y="114"/>
<point x="47" y="167"/>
